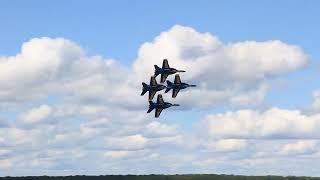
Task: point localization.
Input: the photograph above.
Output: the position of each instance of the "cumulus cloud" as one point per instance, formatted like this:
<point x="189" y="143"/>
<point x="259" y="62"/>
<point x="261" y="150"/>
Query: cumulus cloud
<point x="125" y="154"/>
<point x="234" y="73"/>
<point x="273" y="123"/>
<point x="117" y="154"/>
<point x="99" y="122"/>
<point x="314" y="107"/>
<point x="127" y="142"/>
<point x="36" y="115"/>
<point x="156" y="129"/>
<point x="59" y="66"/>
<point x="225" y="145"/>
<point x="300" y="147"/>
<point x="38" y="63"/>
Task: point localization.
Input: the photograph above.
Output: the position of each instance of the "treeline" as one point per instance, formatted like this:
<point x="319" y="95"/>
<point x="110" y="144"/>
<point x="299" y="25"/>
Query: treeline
<point x="160" y="177"/>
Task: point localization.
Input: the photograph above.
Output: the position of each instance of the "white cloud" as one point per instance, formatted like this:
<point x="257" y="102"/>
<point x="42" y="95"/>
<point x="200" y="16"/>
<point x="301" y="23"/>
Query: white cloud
<point x="254" y="97"/>
<point x="117" y="154"/>
<point x="273" y="123"/>
<point x="314" y="107"/>
<point x="58" y="66"/>
<point x="300" y="147"/>
<point x="36" y="115"/>
<point x="156" y="129"/>
<point x="126" y="155"/>
<point x="225" y="145"/>
<point x="133" y="142"/>
<point x="233" y="72"/>
<point x="18" y="137"/>
<point x="99" y="119"/>
<point x="5" y="164"/>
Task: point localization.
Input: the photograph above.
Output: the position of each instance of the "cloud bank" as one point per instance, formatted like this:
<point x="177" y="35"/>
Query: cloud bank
<point x="80" y="114"/>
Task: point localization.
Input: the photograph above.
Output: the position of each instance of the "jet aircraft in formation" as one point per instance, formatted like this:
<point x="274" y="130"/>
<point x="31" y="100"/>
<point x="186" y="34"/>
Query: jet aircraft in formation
<point x="154" y="87"/>
<point x="159" y="105"/>
<point x="165" y="71"/>
<point x="176" y="86"/>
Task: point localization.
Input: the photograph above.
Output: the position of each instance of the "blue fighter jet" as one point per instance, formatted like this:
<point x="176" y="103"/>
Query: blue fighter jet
<point x="165" y="71"/>
<point x="176" y="86"/>
<point x="152" y="88"/>
<point x="159" y="105"/>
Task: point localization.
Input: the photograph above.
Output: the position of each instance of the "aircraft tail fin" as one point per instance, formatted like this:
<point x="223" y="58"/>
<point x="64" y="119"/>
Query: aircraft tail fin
<point x="157" y="70"/>
<point x="144" y="88"/>
<point x="151" y="106"/>
<point x="169" y="86"/>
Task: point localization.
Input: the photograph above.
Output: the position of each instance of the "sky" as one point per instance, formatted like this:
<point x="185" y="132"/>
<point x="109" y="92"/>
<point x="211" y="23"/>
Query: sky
<point x="71" y="76"/>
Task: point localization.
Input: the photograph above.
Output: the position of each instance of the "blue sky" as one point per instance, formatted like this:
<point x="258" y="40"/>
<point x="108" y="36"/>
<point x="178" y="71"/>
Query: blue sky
<point x="117" y="30"/>
<point x="103" y="27"/>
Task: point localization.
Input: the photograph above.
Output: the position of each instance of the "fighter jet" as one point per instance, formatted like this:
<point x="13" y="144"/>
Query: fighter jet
<point x="159" y="106"/>
<point x="165" y="71"/>
<point x="152" y="88"/>
<point x="176" y="86"/>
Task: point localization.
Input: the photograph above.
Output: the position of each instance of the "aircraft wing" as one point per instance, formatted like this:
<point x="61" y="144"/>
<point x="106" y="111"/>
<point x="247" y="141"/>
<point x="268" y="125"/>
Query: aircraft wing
<point x="153" y="81"/>
<point x="163" y="77"/>
<point x="175" y="92"/>
<point x="151" y="95"/>
<point x="158" y="112"/>
<point x="159" y="99"/>
<point x="165" y="64"/>
<point x="177" y="79"/>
